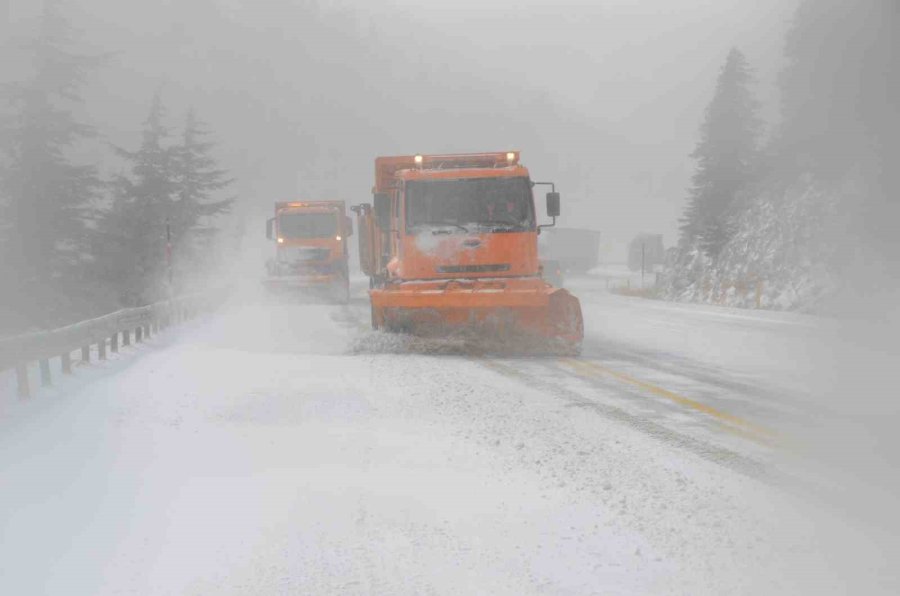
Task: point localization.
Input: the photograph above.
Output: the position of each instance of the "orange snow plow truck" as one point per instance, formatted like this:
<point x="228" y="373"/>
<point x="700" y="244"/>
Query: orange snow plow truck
<point x="450" y="243"/>
<point x="310" y="249"/>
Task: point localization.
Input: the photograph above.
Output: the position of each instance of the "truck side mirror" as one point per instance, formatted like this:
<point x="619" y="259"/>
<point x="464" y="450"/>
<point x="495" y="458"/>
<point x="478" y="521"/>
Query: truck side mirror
<point x="269" y="227"/>
<point x="553" y="204"/>
<point x="348" y="226"/>
<point x="382" y="209"/>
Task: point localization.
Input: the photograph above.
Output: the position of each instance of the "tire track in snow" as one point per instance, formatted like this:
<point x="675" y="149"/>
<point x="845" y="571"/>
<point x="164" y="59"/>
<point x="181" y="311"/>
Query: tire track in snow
<point x="591" y="370"/>
<point x="743" y="464"/>
<point x="737" y="462"/>
<point x="764" y="401"/>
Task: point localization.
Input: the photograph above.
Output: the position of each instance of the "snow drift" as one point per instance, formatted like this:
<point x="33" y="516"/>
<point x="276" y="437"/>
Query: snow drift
<point x="782" y="254"/>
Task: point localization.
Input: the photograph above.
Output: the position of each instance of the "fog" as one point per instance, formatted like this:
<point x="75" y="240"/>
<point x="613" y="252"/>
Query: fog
<point x="609" y="99"/>
<point x="602" y="97"/>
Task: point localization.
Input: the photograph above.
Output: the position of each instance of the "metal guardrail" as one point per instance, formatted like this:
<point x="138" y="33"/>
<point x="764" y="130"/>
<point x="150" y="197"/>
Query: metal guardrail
<point x="105" y="332"/>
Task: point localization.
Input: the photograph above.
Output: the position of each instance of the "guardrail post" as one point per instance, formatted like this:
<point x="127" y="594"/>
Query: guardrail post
<point x="144" y="322"/>
<point x="22" y="381"/>
<point x="45" y="372"/>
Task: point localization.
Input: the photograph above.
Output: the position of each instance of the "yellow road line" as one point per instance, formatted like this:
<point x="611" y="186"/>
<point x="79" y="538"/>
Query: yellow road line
<point x="732" y="423"/>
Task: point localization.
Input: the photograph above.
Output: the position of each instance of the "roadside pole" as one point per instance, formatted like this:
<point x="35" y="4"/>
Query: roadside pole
<point x="642" y="264"/>
<point x="169" y="254"/>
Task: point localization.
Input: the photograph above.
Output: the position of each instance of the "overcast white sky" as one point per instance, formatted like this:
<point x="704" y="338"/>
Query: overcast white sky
<point x="603" y="96"/>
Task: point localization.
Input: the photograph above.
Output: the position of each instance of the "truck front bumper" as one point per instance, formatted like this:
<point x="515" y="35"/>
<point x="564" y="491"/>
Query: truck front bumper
<point x="464" y="293"/>
<point x="301" y="282"/>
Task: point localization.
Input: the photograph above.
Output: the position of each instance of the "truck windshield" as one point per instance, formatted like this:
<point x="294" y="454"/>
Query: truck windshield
<point x="307" y="225"/>
<point x="469" y="205"/>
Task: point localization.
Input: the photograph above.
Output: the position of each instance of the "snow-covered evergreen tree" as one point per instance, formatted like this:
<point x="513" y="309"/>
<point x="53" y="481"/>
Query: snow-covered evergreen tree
<point x="199" y="184"/>
<point x="821" y="223"/>
<point x="134" y="229"/>
<point x="161" y="218"/>
<point x="726" y="158"/>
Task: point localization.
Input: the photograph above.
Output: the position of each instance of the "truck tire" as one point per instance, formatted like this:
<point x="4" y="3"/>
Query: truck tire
<point x="377" y="319"/>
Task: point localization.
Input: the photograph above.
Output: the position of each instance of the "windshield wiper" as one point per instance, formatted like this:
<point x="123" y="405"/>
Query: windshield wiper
<point x="446" y="223"/>
<point x="499" y="225"/>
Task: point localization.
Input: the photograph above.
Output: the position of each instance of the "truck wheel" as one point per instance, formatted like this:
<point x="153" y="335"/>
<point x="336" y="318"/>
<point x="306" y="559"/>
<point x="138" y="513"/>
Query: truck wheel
<point x="377" y="319"/>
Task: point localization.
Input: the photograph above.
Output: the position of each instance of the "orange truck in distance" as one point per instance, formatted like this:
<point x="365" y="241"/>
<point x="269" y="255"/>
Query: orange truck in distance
<point x="310" y="249"/>
<point x="450" y="243"/>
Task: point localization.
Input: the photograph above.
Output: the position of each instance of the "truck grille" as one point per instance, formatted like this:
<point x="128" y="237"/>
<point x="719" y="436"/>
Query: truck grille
<point x="303" y="254"/>
<point x="474" y="268"/>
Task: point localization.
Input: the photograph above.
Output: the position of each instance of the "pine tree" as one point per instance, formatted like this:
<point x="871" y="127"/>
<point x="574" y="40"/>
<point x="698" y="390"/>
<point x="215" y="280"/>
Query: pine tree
<point x="726" y="158"/>
<point x="134" y="229"/>
<point x="47" y="199"/>
<point x="199" y="182"/>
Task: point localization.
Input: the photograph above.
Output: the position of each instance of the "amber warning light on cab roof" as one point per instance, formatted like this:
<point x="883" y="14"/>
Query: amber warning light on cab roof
<point x="486" y="160"/>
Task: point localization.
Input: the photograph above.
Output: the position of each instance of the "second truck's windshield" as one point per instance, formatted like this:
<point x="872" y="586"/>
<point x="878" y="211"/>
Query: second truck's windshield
<point x="476" y="204"/>
<point x="307" y="225"/>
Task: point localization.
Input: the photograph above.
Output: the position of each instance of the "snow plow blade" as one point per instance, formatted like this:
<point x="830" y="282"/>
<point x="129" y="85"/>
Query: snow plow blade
<point x="508" y="309"/>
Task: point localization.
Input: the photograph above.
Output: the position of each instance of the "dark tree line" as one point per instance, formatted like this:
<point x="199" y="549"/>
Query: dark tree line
<point x="46" y="198"/>
<point x="73" y="244"/>
<point x="840" y="120"/>
<point x="841" y="108"/>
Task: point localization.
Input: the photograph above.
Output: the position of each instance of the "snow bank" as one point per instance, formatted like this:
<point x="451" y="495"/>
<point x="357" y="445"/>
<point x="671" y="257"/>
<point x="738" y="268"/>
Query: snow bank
<point x="781" y="256"/>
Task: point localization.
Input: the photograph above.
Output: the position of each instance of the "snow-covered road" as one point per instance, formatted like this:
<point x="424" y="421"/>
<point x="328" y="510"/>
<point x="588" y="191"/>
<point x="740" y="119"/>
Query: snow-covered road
<point x="290" y="450"/>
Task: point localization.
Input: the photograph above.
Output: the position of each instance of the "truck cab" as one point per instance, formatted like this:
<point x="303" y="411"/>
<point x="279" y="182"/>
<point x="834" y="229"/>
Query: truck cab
<point x="311" y="254"/>
<point x="451" y="240"/>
